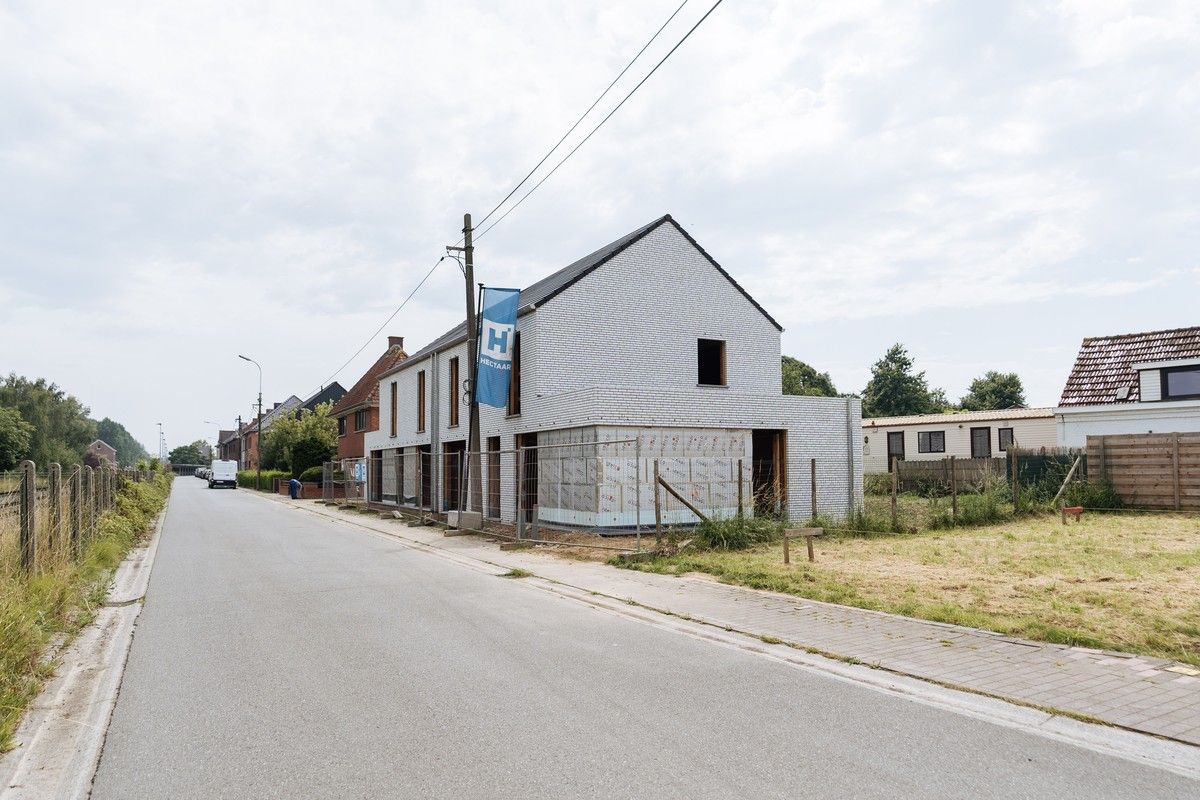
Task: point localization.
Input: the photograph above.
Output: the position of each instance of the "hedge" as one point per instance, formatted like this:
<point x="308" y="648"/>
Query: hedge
<point x="245" y="478"/>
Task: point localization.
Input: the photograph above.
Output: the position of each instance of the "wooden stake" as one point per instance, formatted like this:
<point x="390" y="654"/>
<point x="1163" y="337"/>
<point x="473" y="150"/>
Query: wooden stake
<point x="953" y="491"/>
<point x="813" y="489"/>
<point x="895" y="489"/>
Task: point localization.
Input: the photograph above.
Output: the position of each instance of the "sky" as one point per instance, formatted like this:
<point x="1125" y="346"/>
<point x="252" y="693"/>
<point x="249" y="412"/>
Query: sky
<point x="986" y="183"/>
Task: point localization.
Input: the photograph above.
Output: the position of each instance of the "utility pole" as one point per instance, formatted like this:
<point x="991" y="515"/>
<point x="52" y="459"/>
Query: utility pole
<point x="241" y="459"/>
<point x="474" y="472"/>
<point x="259" y="434"/>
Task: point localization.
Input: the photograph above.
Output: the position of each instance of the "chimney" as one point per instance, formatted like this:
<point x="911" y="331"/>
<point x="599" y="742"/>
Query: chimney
<point x="396" y="341"/>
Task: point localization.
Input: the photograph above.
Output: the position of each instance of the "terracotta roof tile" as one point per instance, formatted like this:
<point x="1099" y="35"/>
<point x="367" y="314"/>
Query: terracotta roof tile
<point x="1105" y="364"/>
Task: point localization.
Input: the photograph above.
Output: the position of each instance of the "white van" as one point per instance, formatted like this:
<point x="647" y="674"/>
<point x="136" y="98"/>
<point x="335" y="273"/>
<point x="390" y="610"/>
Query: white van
<point x="223" y="473"/>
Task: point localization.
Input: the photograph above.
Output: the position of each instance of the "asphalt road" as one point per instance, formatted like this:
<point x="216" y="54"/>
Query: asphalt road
<point x="283" y="655"/>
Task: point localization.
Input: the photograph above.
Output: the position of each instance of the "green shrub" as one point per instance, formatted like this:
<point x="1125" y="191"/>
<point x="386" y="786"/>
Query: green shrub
<point x="877" y="484"/>
<point x="989" y="505"/>
<point x="313" y="474"/>
<point x="736" y="533"/>
<point x="1092" y="495"/>
<point x="246" y="478"/>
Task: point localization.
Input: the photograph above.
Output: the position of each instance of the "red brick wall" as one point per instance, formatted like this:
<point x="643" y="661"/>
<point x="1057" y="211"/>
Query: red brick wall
<point x="351" y="445"/>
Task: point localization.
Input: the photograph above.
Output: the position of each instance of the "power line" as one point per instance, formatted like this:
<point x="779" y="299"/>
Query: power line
<point x="582" y="116"/>
<point x="386" y="322"/>
<point x="600" y="125"/>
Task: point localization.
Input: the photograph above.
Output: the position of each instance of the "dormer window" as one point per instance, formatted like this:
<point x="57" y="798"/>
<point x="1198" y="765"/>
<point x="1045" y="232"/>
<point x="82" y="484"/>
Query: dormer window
<point x="1181" y="383"/>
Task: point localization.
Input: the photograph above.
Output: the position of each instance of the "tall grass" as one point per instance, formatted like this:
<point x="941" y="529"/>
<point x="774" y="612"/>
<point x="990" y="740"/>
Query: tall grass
<point x="736" y="533"/>
<point x="62" y="598"/>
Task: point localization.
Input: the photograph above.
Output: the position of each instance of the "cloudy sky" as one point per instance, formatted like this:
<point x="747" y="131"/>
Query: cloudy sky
<point x="985" y="182"/>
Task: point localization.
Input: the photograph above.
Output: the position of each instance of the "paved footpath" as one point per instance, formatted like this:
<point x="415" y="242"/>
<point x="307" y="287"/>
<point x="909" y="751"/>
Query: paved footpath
<point x="1143" y="694"/>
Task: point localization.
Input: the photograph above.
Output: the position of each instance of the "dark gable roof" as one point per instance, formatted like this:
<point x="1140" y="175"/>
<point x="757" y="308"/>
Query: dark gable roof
<point x="328" y="394"/>
<point x="366" y="390"/>
<point x="1105" y="364"/>
<point x="547" y="288"/>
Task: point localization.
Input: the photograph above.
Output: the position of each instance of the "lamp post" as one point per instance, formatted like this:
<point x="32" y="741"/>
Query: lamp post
<point x="161" y="445"/>
<point x="217" y="446"/>
<point x="258" y="458"/>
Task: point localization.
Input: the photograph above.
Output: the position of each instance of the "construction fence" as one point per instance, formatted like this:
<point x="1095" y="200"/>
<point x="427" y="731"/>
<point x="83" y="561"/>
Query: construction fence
<point x="47" y="515"/>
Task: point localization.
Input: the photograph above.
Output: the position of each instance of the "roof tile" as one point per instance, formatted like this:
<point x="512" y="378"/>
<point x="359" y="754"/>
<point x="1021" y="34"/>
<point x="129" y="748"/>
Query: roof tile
<point x="1105" y="364"/>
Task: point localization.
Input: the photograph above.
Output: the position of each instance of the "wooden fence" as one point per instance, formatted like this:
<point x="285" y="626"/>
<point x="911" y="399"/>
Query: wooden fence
<point x="1149" y="470"/>
<point x="920" y="475"/>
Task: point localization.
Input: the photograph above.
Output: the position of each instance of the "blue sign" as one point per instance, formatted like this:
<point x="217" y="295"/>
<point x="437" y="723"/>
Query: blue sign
<point x="497" y="337"/>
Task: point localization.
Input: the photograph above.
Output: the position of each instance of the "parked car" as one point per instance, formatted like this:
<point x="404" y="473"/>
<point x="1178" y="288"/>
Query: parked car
<point x="222" y="473"/>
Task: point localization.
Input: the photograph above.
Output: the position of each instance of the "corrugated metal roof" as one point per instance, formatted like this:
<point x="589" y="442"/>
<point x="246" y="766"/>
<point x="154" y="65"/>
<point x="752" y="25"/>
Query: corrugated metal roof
<point x="1105" y="364"/>
<point x="542" y="291"/>
<point x="958" y="416"/>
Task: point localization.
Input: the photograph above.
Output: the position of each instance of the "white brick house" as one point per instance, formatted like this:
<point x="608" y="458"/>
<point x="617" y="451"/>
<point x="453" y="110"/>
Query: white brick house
<point x="646" y="339"/>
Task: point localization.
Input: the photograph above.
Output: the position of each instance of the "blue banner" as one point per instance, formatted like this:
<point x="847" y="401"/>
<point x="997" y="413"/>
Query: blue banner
<point x="497" y="337"/>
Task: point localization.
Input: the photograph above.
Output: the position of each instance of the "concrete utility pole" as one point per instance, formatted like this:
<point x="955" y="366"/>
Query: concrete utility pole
<point x="474" y="472"/>
<point x="241" y="459"/>
<point x="258" y="460"/>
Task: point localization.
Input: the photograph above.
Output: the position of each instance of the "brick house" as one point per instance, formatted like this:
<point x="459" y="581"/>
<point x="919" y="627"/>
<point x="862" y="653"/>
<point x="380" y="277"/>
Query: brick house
<point x="357" y="411"/>
<point x="100" y="452"/>
<point x="229" y="445"/>
<point x="250" y="431"/>
<point x="1132" y="383"/>
<point x="646" y="340"/>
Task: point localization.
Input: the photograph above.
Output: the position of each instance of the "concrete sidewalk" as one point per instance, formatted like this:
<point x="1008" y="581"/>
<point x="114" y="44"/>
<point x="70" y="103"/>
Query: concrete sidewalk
<point x="1143" y="694"/>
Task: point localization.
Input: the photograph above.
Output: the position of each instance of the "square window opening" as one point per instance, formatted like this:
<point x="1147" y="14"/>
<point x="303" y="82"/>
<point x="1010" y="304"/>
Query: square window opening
<point x="710" y="362"/>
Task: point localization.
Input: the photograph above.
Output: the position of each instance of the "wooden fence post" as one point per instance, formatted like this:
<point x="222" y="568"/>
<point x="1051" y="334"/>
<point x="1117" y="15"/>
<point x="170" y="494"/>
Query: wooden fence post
<point x="813" y="491"/>
<point x="1175" y="468"/>
<point x="1103" y="462"/>
<point x="89" y="498"/>
<point x="657" y="509"/>
<point x="76" y="483"/>
<point x="28" y="492"/>
<point x="1015" y="456"/>
<point x="895" y="488"/>
<point x="953" y="491"/>
<point x="54" y="491"/>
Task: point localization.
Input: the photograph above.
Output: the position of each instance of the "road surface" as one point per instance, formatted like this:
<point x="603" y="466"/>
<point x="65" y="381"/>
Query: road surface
<point x="285" y="655"/>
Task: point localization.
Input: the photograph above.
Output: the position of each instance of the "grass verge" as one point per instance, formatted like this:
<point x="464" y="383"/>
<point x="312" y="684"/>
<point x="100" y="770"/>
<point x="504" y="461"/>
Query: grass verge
<point x="63" y="597"/>
<point x="1127" y="582"/>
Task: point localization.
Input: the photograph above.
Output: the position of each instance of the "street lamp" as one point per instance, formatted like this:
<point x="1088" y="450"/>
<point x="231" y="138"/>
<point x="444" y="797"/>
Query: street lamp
<point x="217" y="425"/>
<point x="161" y="445"/>
<point x="258" y="458"/>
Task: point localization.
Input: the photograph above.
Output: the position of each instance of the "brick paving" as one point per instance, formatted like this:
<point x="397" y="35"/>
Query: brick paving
<point x="1141" y="693"/>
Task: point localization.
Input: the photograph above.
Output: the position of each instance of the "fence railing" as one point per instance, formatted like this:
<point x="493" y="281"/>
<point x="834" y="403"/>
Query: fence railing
<point x="47" y="516"/>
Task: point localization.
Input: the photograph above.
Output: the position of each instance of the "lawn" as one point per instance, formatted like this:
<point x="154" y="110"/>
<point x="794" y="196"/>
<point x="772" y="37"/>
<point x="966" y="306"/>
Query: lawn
<point x="1120" y="581"/>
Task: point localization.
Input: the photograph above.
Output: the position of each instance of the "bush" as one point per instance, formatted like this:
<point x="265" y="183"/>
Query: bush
<point x="987" y="506"/>
<point x="736" y="533"/>
<point x="246" y="477"/>
<point x="1092" y="495"/>
<point x="313" y="475"/>
<point x="877" y="484"/>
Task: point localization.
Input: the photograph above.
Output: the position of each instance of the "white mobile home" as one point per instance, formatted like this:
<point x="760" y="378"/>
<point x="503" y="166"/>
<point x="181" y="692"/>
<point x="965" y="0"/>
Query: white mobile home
<point x="966" y="434"/>
<point x="647" y="345"/>
<point x="1132" y="383"/>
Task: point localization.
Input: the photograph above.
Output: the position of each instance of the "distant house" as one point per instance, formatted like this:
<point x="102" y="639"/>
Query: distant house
<point x="327" y="394"/>
<point x="250" y="436"/>
<point x="357" y="412"/>
<point x="100" y="452"/>
<point x="1132" y="383"/>
<point x="644" y="352"/>
<point x="229" y="445"/>
<point x="966" y="434"/>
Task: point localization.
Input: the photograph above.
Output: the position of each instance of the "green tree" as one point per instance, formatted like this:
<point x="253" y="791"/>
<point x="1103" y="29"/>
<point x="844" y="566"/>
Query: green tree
<point x="897" y="389"/>
<point x="188" y="453"/>
<point x="297" y="442"/>
<point x="129" y="449"/>
<point x="800" y="378"/>
<point x="15" y="436"/>
<point x="61" y="428"/>
<point x="993" y="391"/>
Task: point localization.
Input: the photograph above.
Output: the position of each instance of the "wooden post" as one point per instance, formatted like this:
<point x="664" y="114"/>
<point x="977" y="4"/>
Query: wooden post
<point x="54" y="490"/>
<point x="953" y="491"/>
<point x="741" y="499"/>
<point x="28" y="492"/>
<point x="1175" y="467"/>
<point x="813" y="488"/>
<point x="812" y="556"/>
<point x="671" y="490"/>
<point x="1103" y="465"/>
<point x="1014" y="457"/>
<point x="895" y="490"/>
<point x="657" y="509"/>
<point x="89" y="498"/>
<point x="76" y="509"/>
<point x="787" y="556"/>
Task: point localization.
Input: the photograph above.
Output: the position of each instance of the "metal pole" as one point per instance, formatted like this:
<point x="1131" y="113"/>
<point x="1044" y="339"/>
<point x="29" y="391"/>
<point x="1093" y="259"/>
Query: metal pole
<point x="637" y="503"/>
<point x="259" y="434"/>
<point x="54" y="489"/>
<point x="657" y="510"/>
<point x="813" y="497"/>
<point x="520" y="492"/>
